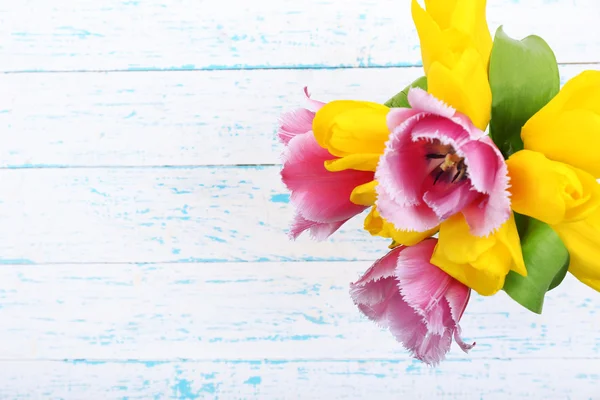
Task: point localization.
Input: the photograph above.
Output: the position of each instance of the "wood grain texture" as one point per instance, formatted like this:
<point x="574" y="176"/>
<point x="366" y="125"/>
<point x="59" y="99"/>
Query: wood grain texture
<point x="85" y="35"/>
<point x="143" y="252"/>
<point x="303" y="380"/>
<point x="253" y="311"/>
<point x="208" y="214"/>
<point x="171" y="118"/>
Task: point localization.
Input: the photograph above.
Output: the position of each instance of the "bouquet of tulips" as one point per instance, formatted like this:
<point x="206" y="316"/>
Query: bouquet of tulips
<point x="482" y="173"/>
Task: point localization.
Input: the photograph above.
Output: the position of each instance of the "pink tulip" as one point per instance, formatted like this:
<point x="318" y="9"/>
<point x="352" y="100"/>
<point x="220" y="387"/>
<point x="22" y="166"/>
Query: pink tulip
<point x="321" y="197"/>
<point x="436" y="164"/>
<point x="419" y="303"/>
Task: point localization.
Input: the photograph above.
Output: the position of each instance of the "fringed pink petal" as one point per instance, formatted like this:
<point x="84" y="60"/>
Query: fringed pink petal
<point x="314" y="105"/>
<point x="418" y="302"/>
<point x="423" y="285"/>
<point x="295" y="122"/>
<point x="384" y="267"/>
<point x="317" y="230"/>
<point x="442" y="129"/>
<point x="402" y="167"/>
<point x="489" y="175"/>
<point x="397" y="116"/>
<point x="460" y="342"/>
<point x="464" y="121"/>
<point x="486" y="214"/>
<point x="409" y="328"/>
<point x="412" y="218"/>
<point x="425" y="102"/>
<point x="375" y="289"/>
<point x="446" y="203"/>
<point x="457" y="297"/>
<point x="483" y="162"/>
<point x="317" y="194"/>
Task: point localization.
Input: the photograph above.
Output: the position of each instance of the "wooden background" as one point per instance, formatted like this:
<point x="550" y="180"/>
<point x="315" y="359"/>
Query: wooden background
<point x="143" y="252"/>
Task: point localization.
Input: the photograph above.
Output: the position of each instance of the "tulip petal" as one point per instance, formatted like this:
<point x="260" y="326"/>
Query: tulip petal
<point x="446" y="203"/>
<point x="400" y="99"/>
<point x="470" y="17"/>
<point x="364" y="195"/>
<point x="567" y="129"/>
<point x="457" y="296"/>
<point x="359" y="162"/>
<point x="481" y="263"/>
<point x="377" y="226"/>
<point x="403" y="161"/>
<point x="374" y="291"/>
<point x="318" y="230"/>
<point x="485" y="163"/>
<point x="582" y="240"/>
<point x="294" y="123"/>
<point x="351" y="127"/>
<point x="488" y="175"/>
<point x="430" y="37"/>
<point x="420" y="304"/>
<point x="397" y="116"/>
<point x="465" y="87"/>
<point x="441" y="11"/>
<point x="313" y="105"/>
<point x="460" y="342"/>
<point x="439" y="128"/>
<point x="409" y="329"/>
<point x="411" y="217"/>
<point x="550" y="191"/>
<point x="319" y="195"/>
<point x="298" y="121"/>
<point x="420" y="100"/>
<point x="423" y="294"/>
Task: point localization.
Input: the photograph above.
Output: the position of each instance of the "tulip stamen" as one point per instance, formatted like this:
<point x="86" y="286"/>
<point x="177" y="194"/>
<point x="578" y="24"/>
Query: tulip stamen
<point x="461" y="171"/>
<point x="452" y="163"/>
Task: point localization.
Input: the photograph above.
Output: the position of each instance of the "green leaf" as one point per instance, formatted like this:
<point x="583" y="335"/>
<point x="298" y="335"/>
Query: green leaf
<point x="401" y="99"/>
<point x="558" y="278"/>
<point x="546" y="259"/>
<point x="524" y="78"/>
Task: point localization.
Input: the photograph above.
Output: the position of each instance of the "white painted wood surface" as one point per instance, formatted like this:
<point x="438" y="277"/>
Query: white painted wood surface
<point x="91" y="35"/>
<point x="173" y="118"/>
<point x="142" y="237"/>
<point x="253" y="311"/>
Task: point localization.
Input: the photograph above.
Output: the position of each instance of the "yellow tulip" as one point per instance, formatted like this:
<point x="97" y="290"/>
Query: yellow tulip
<point x="481" y="263"/>
<point x="567" y="129"/>
<point x="465" y="87"/>
<point x="447" y="28"/>
<point x="582" y="240"/>
<point x="378" y="226"/>
<point x="550" y="191"/>
<point x="348" y="127"/>
<point x="455" y="48"/>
